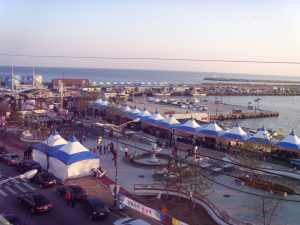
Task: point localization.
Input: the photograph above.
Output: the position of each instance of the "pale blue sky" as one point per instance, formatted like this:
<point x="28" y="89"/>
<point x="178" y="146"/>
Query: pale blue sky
<point x="231" y="30"/>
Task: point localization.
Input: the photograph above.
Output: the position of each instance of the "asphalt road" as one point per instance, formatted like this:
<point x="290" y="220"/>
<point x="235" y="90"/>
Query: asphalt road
<point x="61" y="213"/>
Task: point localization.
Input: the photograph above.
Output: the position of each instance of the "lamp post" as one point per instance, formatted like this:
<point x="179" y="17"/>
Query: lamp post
<point x="118" y="129"/>
<point x="27" y="175"/>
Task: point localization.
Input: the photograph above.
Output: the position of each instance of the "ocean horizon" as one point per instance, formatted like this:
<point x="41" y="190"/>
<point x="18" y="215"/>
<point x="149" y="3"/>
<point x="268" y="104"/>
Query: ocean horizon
<point x="137" y="75"/>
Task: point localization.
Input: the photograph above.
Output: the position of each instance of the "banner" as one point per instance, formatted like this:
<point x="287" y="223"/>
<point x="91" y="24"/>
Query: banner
<point x="141" y="208"/>
<point x="112" y="188"/>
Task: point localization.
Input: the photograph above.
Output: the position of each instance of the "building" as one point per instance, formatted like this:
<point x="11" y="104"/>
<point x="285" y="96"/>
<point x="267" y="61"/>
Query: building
<point x="70" y="83"/>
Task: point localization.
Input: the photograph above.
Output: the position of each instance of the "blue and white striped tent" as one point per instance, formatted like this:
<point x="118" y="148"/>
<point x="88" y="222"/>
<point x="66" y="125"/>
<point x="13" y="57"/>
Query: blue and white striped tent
<point x="236" y="133"/>
<point x="169" y="123"/>
<point x="262" y="137"/>
<point x="153" y="120"/>
<point x="132" y="112"/>
<point x="142" y="115"/>
<point x="212" y="130"/>
<point x="51" y="144"/>
<point x="72" y="160"/>
<point x="190" y="127"/>
<point x="290" y="143"/>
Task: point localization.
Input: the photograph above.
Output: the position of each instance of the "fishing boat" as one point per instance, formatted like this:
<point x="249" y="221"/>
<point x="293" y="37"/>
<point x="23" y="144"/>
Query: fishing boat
<point x="161" y="93"/>
<point x="195" y="93"/>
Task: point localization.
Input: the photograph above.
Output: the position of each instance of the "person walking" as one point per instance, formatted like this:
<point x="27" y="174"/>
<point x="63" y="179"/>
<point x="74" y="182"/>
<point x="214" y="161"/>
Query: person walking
<point x="173" y="152"/>
<point x="126" y="151"/>
<point x="104" y="149"/>
<point x="68" y="197"/>
<point x="95" y="152"/>
<point x="29" y="152"/>
<point x="116" y="159"/>
<point x="26" y="152"/>
<point x="73" y="200"/>
<point x="99" y="141"/>
<point x="100" y="148"/>
<point x="111" y="147"/>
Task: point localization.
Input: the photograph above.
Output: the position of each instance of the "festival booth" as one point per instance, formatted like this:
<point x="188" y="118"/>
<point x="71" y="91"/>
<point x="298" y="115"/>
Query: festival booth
<point x="169" y="123"/>
<point x="210" y="134"/>
<point x="290" y="143"/>
<point x="134" y="111"/>
<point x="104" y="104"/>
<point x="142" y="115"/>
<point x="72" y="160"/>
<point x="236" y="134"/>
<point x="262" y="137"/>
<point x="153" y="120"/>
<point x="126" y="108"/>
<point x="190" y="129"/>
<point x="94" y="84"/>
<point x="51" y="144"/>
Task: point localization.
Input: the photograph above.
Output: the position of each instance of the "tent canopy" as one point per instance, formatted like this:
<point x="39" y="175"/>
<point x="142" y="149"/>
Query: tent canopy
<point x="235" y="133"/>
<point x="143" y="114"/>
<point x="54" y="142"/>
<point x="133" y="111"/>
<point x="262" y="136"/>
<point x="72" y="152"/>
<point x="169" y="123"/>
<point x="190" y="127"/>
<point x="290" y="143"/>
<point x="154" y="119"/>
<point x="212" y="130"/>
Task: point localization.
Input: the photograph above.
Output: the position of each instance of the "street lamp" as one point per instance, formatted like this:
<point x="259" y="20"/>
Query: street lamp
<point x="27" y="175"/>
<point x="117" y="129"/>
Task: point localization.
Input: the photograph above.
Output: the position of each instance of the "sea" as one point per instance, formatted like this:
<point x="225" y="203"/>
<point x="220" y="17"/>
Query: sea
<point x="287" y="106"/>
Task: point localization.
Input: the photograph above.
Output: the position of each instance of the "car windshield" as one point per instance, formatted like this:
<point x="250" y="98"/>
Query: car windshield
<point x="41" y="201"/>
<point x="48" y="177"/>
<point x="14" y="156"/>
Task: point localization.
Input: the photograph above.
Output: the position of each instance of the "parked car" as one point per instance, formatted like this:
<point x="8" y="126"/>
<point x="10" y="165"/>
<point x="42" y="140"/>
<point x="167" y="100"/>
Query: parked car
<point x="44" y="179"/>
<point x="219" y="123"/>
<point x="78" y="191"/>
<point x="95" y="207"/>
<point x="130" y="221"/>
<point x="10" y="158"/>
<point x="13" y="219"/>
<point x="2" y="150"/>
<point x="27" y="165"/>
<point x="37" y="202"/>
<point x="251" y="132"/>
<point x="272" y="132"/>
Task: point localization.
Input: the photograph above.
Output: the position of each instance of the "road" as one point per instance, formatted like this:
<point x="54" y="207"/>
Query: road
<point x="61" y="213"/>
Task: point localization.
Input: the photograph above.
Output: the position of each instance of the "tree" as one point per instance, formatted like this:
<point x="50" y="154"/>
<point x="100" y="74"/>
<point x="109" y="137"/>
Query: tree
<point x="266" y="209"/>
<point x="15" y="117"/>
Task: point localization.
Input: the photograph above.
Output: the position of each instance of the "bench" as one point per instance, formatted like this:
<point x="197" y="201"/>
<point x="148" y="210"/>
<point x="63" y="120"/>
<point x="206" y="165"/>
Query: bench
<point x="239" y="181"/>
<point x="278" y="193"/>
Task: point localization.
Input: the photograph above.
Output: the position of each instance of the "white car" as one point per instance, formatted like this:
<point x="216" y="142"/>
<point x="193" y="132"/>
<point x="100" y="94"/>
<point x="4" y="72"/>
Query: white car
<point x="130" y="221"/>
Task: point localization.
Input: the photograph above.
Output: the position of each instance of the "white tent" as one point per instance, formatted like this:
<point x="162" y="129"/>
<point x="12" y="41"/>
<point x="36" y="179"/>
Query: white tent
<point x="290" y="143"/>
<point x="262" y="137"/>
<point x="126" y="108"/>
<point x="236" y="133"/>
<point x="190" y="127"/>
<point x="72" y="160"/>
<point x="51" y="144"/>
<point x="98" y="100"/>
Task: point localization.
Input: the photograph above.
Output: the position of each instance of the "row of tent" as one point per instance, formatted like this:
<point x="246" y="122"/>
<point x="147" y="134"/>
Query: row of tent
<point x="290" y="143"/>
<point x="127" y="84"/>
<point x="66" y="159"/>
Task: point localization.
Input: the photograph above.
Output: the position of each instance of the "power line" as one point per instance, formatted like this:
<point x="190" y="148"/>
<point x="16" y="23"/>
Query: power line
<point x="148" y="58"/>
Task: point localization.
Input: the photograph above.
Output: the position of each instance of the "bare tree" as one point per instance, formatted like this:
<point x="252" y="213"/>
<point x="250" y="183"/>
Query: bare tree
<point x="266" y="209"/>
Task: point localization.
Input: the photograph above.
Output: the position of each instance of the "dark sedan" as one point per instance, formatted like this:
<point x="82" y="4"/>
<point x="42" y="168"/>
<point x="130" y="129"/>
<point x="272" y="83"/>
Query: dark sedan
<point x="95" y="207"/>
<point x="2" y="150"/>
<point x="27" y="165"/>
<point x="78" y="191"/>
<point x="10" y="158"/>
<point x="44" y="179"/>
<point x="14" y="219"/>
<point x="37" y="202"/>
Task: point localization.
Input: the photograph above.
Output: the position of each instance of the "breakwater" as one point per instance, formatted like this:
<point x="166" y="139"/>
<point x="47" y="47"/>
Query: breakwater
<point x="250" y="80"/>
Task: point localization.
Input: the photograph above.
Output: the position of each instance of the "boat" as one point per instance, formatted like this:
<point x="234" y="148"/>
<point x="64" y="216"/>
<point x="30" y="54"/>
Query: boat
<point x="195" y="93"/>
<point x="161" y="93"/>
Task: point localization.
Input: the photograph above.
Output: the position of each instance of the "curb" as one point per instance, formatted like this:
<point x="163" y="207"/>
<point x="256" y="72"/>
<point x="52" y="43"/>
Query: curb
<point x="117" y="212"/>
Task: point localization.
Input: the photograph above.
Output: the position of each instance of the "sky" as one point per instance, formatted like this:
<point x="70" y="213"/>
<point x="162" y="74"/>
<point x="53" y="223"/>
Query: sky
<point x="189" y="29"/>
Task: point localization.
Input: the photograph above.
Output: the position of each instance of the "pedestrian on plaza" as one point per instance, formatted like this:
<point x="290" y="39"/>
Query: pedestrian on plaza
<point x="111" y="147"/>
<point x="81" y="140"/>
<point x="126" y="151"/>
<point x="95" y="152"/>
<point x="173" y="152"/>
<point x="26" y="152"/>
<point x="104" y="149"/>
<point x="29" y="152"/>
<point x="115" y="158"/>
<point x="73" y="200"/>
<point x="68" y="198"/>
<point x="99" y="141"/>
<point x="100" y="148"/>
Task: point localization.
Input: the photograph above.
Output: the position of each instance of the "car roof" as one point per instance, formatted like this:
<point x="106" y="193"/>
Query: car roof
<point x="11" y="153"/>
<point x="30" y="162"/>
<point x="95" y="200"/>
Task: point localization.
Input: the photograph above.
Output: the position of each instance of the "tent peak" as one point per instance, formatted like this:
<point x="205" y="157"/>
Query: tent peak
<point x="73" y="139"/>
